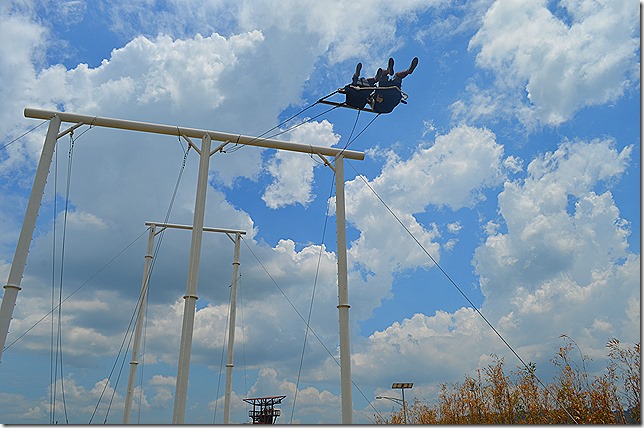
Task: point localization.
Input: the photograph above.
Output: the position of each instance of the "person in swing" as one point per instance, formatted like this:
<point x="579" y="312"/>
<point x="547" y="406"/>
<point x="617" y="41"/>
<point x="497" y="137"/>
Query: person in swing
<point x="360" y="91"/>
<point x="389" y="93"/>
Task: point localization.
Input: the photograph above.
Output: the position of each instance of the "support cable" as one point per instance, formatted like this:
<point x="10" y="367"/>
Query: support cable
<point x="118" y="378"/>
<point x="221" y="362"/>
<point x="107" y="381"/>
<point x="317" y="270"/>
<point x="302" y="123"/>
<point x="59" y="338"/>
<point x="242" y="325"/>
<point x="239" y="146"/>
<point x="145" y="332"/>
<point x="136" y="310"/>
<point x="315" y="282"/>
<point x="53" y="292"/>
<point x="259" y="137"/>
<point x="360" y="133"/>
<point x="449" y="278"/>
<point x="61" y="301"/>
<point x="302" y="318"/>
<point x="77" y="289"/>
<point x="23" y="134"/>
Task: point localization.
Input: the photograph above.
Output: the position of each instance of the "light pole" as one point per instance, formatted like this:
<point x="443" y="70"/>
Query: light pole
<point x="402" y="386"/>
<point x="394" y="399"/>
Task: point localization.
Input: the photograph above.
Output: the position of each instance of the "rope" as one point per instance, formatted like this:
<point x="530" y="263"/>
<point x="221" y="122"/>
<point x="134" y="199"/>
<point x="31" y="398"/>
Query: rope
<point x="302" y="318"/>
<point x="118" y="378"/>
<point x="25" y="133"/>
<point x="315" y="282"/>
<point x="53" y="292"/>
<point x="112" y="371"/>
<point x="285" y="130"/>
<point x="59" y="338"/>
<point x="76" y="290"/>
<point x="302" y="123"/>
<point x="259" y="137"/>
<point x="221" y="362"/>
<point x="141" y="377"/>
<point x="454" y="283"/>
<point x="242" y="325"/>
<point x="360" y="133"/>
<point x="136" y="312"/>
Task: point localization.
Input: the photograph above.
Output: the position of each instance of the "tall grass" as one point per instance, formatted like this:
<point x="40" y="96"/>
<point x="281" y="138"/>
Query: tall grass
<point x="491" y="396"/>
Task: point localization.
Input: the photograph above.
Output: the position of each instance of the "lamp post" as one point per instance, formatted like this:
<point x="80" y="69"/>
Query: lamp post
<point x="402" y="386"/>
<point x="394" y="399"/>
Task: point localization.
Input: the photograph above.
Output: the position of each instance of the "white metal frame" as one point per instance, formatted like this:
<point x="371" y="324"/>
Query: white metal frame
<point x="129" y="397"/>
<point x="22" y="248"/>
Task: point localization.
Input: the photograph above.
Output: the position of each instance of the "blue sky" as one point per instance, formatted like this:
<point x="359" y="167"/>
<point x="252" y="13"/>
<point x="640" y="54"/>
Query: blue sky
<point x="516" y="163"/>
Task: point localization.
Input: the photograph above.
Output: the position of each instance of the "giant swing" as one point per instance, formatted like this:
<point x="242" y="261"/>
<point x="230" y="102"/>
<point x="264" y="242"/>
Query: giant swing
<point x="381" y="99"/>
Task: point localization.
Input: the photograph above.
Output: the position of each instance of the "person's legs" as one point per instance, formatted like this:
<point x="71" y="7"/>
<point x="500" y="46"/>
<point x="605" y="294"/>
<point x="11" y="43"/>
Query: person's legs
<point x="356" y="75"/>
<point x="412" y="66"/>
<point x="402" y="74"/>
<point x="381" y="77"/>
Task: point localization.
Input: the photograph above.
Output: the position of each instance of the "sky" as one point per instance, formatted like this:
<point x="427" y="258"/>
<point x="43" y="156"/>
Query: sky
<point x="515" y="166"/>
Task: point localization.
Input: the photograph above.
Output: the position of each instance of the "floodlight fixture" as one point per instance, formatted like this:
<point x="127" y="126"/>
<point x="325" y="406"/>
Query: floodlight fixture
<point x="402" y="385"/>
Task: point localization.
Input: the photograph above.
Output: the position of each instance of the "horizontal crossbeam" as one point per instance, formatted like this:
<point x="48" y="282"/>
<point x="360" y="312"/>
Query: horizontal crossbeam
<point x="187" y="227"/>
<point x="154" y="128"/>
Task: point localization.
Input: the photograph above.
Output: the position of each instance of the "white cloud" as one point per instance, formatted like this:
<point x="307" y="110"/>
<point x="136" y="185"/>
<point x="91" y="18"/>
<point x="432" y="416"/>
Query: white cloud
<point x="424" y="347"/>
<point x="554" y="272"/>
<point x="241" y="78"/>
<point x="513" y="164"/>
<point x="311" y="403"/>
<point x="163" y="380"/>
<point x="565" y="245"/>
<point x="293" y="172"/>
<point x="452" y="172"/>
<point x="454" y="227"/>
<point x="81" y="220"/>
<point x="561" y="66"/>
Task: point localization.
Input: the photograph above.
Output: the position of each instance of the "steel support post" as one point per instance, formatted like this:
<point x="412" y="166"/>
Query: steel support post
<point x="26" y="233"/>
<point x="136" y="346"/>
<point x="231" y="330"/>
<point x="190" y="298"/>
<point x="343" y="293"/>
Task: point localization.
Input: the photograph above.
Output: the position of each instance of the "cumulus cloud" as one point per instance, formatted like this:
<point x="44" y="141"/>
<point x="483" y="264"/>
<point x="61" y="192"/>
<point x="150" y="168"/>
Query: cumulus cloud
<point x="293" y="172"/>
<point x="562" y="267"/>
<point x="452" y="172"/>
<point x="548" y="66"/>
<point x="310" y="402"/>
<point x="422" y="341"/>
<point x="565" y="248"/>
<point x="341" y="31"/>
<point x="559" y="237"/>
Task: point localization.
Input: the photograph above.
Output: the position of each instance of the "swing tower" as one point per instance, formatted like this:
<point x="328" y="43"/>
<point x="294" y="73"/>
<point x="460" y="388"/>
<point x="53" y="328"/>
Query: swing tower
<point x="205" y="151"/>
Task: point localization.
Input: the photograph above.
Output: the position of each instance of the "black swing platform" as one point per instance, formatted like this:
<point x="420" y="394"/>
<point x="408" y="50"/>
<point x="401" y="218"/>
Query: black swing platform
<point x="379" y="99"/>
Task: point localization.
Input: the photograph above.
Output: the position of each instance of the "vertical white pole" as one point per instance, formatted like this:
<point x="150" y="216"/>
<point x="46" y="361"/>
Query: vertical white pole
<point x="343" y="293"/>
<point x="190" y="298"/>
<point x="231" y="330"/>
<point x="26" y="233"/>
<point x="129" y="398"/>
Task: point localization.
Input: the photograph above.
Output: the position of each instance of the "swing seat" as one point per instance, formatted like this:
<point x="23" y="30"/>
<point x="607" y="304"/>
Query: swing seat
<point x="368" y="98"/>
<point x="357" y="96"/>
<point x="385" y="99"/>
